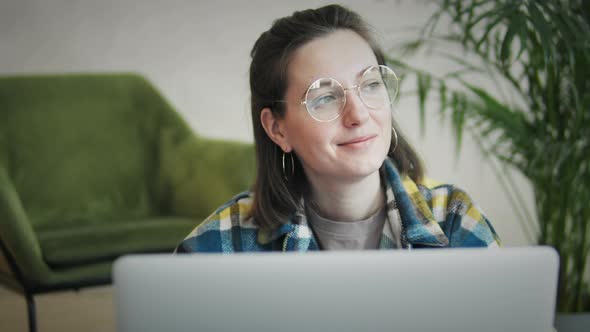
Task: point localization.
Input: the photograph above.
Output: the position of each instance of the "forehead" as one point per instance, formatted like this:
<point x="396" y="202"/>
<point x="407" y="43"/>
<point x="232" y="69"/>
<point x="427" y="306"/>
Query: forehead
<point x="342" y="55"/>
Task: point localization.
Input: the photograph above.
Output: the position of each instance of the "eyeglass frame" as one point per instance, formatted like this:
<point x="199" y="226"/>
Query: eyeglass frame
<point x="357" y="87"/>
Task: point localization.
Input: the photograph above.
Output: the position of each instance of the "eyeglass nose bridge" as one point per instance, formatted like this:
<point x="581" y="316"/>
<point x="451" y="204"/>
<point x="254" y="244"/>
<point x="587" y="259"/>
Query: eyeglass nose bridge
<point x="357" y="88"/>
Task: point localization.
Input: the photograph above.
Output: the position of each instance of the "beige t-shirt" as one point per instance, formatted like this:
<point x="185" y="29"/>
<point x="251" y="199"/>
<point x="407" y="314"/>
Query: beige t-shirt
<point x="337" y="235"/>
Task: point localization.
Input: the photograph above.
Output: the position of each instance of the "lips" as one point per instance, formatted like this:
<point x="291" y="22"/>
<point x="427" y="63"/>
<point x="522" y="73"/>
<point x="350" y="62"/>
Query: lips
<point x="358" y="140"/>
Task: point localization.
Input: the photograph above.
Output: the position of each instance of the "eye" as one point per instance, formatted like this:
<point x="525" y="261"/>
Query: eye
<point x="372" y="85"/>
<point x="323" y="100"/>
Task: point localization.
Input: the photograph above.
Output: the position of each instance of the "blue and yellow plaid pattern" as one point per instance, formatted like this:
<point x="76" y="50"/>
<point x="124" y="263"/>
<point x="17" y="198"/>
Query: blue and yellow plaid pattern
<point x="430" y="215"/>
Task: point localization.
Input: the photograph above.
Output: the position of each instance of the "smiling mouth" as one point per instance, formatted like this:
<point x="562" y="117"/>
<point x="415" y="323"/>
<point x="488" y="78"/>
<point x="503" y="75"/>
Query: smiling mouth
<point x="358" y="140"/>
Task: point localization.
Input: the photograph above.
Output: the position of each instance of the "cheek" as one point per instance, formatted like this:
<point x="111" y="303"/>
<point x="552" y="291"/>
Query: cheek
<point x="383" y="120"/>
<point x="312" y="139"/>
<point x="385" y="123"/>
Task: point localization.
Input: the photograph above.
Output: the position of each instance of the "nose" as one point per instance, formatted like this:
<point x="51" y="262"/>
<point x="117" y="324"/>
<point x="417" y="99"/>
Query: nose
<point x="355" y="112"/>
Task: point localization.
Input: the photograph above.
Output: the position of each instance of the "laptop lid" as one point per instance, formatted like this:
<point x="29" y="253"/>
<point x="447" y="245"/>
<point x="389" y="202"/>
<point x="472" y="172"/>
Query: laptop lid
<point x="509" y="289"/>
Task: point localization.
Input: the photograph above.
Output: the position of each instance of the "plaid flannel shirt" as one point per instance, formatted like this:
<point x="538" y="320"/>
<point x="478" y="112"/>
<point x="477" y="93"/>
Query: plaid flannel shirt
<point x="425" y="215"/>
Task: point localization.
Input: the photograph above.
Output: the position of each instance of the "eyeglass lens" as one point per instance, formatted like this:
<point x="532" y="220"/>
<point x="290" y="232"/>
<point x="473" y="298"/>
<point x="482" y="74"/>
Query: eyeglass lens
<point x="325" y="97"/>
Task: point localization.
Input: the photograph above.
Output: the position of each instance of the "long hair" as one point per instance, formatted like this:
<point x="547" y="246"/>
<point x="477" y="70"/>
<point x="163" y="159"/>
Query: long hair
<point x="276" y="198"/>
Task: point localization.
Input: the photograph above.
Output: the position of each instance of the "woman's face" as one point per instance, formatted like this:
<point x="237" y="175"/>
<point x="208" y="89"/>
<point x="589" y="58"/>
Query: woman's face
<point x="355" y="144"/>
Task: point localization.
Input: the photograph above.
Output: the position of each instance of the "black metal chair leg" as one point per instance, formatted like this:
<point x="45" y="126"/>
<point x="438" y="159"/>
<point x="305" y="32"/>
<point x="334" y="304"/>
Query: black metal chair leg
<point x="31" y="311"/>
<point x="28" y="295"/>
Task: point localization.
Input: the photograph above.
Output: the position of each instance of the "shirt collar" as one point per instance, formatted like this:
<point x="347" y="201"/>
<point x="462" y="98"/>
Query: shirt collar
<point x="296" y="232"/>
<point x="417" y="218"/>
<point x="418" y="221"/>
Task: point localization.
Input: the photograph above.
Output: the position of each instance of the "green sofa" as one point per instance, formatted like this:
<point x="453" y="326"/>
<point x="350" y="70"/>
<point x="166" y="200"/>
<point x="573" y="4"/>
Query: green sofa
<point x="94" y="166"/>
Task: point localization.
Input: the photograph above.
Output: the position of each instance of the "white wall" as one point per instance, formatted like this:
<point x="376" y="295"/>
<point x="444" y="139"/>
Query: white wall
<point x="197" y="53"/>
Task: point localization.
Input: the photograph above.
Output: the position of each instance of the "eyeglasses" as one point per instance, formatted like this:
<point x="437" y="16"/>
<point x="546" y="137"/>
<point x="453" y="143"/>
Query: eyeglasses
<point x="325" y="98"/>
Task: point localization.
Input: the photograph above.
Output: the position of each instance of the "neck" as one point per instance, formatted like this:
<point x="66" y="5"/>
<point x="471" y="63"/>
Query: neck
<point x="356" y="200"/>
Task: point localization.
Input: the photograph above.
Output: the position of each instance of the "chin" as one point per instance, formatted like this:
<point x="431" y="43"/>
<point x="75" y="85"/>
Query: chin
<point x="365" y="168"/>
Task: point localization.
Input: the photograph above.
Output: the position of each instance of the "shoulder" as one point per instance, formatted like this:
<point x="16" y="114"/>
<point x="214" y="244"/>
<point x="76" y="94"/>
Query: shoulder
<point x="460" y="217"/>
<point x="229" y="228"/>
<point x="445" y="199"/>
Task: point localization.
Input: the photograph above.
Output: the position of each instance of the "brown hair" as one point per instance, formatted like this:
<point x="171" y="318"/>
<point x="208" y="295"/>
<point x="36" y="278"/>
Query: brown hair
<point x="275" y="198"/>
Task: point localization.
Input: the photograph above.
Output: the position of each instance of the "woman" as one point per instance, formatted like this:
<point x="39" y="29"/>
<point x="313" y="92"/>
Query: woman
<point x="333" y="170"/>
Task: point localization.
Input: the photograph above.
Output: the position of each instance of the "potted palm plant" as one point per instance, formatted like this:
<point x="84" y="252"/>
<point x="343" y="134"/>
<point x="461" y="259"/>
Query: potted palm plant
<point x="538" y="53"/>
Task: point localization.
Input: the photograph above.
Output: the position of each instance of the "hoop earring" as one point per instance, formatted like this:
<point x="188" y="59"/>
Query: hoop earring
<point x="292" y="167"/>
<point x="396" y="141"/>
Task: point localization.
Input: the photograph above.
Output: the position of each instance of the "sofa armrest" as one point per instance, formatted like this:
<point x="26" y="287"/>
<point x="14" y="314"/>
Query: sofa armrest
<point x="200" y="174"/>
<point x="193" y="175"/>
<point x="16" y="232"/>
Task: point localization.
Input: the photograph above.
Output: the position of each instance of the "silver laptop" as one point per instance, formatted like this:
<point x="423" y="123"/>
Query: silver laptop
<point x="509" y="289"/>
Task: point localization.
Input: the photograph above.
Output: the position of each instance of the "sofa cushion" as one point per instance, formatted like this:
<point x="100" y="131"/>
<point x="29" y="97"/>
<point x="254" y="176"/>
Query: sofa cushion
<point x="90" y="243"/>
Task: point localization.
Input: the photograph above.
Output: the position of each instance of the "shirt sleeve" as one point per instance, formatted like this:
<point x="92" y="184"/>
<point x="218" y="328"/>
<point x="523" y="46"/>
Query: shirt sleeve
<point x="206" y="237"/>
<point x="228" y="229"/>
<point x="462" y="220"/>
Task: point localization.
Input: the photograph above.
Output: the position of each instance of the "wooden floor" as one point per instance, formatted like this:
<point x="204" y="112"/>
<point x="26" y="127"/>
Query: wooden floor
<point x="88" y="310"/>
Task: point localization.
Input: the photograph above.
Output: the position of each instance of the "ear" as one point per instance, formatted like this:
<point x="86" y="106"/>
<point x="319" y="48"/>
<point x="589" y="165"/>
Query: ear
<point x="275" y="129"/>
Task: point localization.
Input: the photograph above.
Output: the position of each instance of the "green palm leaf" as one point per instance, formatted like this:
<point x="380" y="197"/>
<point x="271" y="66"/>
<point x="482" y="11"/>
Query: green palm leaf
<point x="540" y="50"/>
